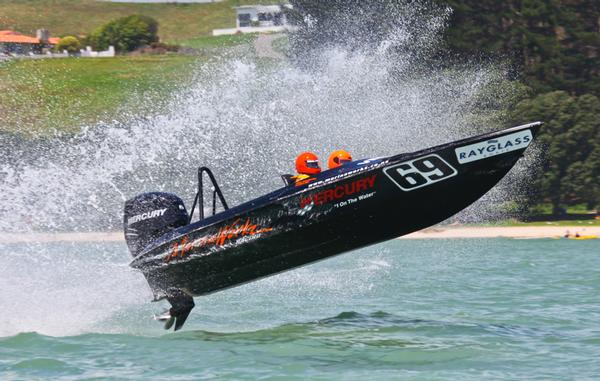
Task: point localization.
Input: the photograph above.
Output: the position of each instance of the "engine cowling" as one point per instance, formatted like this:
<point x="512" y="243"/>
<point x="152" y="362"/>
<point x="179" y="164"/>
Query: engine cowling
<point x="150" y="215"/>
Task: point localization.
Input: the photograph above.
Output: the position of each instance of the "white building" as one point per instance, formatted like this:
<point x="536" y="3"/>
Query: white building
<point x="258" y="19"/>
<point x="260" y="16"/>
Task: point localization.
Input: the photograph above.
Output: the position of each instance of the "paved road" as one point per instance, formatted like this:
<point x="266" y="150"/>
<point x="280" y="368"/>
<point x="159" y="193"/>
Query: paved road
<point x="264" y="46"/>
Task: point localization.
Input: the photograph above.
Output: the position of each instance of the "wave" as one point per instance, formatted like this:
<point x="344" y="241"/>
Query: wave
<point x="370" y="326"/>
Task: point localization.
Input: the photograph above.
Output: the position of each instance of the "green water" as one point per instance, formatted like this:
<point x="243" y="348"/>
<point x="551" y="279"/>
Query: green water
<point x="494" y="309"/>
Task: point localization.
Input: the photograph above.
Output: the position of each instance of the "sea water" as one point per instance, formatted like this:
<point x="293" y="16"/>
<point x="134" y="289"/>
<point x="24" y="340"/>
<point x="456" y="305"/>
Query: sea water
<point x="461" y="309"/>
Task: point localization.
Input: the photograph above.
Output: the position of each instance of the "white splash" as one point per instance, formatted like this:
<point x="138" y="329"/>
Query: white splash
<point x="247" y="120"/>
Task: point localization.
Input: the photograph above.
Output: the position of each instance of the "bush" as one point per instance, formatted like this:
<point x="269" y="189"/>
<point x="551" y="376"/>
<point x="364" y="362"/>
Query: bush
<point x="126" y="33"/>
<point x="165" y="47"/>
<point x="69" y="43"/>
<point x="158" y="48"/>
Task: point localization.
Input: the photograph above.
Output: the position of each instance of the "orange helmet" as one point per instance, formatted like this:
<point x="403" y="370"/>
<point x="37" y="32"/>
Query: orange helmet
<point x="339" y="157"/>
<point x="307" y="163"/>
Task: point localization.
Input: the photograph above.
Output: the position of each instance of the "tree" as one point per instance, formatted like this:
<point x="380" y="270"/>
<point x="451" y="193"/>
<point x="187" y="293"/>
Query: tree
<point x="69" y="43"/>
<point x="570" y="139"/>
<point x="555" y="44"/>
<point x="126" y="33"/>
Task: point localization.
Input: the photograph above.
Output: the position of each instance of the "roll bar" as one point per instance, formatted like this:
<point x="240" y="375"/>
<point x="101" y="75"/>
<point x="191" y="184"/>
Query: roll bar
<point x="199" y="199"/>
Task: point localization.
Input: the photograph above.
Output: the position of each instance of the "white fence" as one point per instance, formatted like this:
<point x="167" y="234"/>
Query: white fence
<point x="88" y="52"/>
<point x="34" y="56"/>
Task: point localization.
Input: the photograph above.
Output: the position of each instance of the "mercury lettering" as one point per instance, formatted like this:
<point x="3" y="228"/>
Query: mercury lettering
<point x="339" y="192"/>
<point x="146" y="216"/>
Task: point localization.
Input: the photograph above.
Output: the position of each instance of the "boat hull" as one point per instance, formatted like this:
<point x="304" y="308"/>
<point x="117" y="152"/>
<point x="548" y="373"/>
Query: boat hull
<point x="365" y="203"/>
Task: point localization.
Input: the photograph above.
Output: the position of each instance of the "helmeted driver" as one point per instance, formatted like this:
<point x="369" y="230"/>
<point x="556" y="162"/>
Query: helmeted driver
<point x="338" y="158"/>
<point x="307" y="164"/>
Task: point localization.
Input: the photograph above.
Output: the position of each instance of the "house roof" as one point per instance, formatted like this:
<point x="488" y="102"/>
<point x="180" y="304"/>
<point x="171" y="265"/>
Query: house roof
<point x="12" y="37"/>
<point x="18" y="39"/>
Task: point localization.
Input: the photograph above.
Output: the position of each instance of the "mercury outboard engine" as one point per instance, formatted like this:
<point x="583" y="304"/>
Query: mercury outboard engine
<point x="147" y="217"/>
<point x="150" y="215"/>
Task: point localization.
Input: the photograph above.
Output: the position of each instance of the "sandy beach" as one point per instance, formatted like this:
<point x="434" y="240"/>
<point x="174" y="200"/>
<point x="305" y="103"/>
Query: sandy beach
<point x="438" y="232"/>
<point x="519" y="232"/>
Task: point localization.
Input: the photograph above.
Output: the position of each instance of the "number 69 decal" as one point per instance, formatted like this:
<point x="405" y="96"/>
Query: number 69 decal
<point x="420" y="172"/>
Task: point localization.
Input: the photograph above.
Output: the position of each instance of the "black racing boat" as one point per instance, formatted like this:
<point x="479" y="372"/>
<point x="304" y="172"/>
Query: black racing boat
<point x="355" y="205"/>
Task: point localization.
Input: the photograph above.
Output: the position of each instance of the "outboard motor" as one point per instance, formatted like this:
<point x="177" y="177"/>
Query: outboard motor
<point x="147" y="217"/>
<point x="150" y="215"/>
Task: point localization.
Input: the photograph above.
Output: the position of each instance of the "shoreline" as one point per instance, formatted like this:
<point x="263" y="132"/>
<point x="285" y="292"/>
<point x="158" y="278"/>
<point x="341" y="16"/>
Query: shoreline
<point x="516" y="232"/>
<point x="436" y="232"/>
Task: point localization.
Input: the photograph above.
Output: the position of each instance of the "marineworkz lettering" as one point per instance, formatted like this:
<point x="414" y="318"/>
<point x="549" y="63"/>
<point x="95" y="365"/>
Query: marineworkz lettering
<point x="347" y="174"/>
<point x="339" y="191"/>
<point x="493" y="147"/>
<point x="146" y="216"/>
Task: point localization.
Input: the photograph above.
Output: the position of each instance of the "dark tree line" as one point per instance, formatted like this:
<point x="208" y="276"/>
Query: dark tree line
<point x="571" y="140"/>
<point x="553" y="46"/>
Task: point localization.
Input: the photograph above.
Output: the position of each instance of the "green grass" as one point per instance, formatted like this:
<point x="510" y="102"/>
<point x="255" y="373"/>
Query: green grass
<point x="38" y="97"/>
<point x="80" y="17"/>
<point x="546" y="208"/>
<point x="216" y="42"/>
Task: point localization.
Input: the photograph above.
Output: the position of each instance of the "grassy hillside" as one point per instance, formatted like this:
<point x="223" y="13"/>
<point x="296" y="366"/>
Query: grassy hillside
<point x="79" y="17"/>
<point x="40" y="96"/>
<point x="204" y="43"/>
